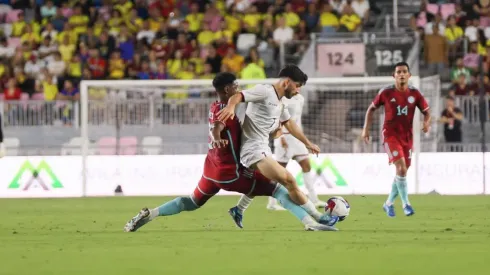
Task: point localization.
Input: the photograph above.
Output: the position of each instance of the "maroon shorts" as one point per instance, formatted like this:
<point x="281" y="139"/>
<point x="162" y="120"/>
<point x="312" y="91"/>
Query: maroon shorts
<point x="397" y="150"/>
<point x="249" y="183"/>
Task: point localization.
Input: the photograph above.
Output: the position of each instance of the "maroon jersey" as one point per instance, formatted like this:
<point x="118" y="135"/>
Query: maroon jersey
<point x="399" y="111"/>
<point x="222" y="164"/>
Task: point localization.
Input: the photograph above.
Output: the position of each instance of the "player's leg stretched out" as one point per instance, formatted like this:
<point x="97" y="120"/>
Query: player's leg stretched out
<point x="264" y="187"/>
<point x="309" y="178"/>
<point x="198" y="198"/>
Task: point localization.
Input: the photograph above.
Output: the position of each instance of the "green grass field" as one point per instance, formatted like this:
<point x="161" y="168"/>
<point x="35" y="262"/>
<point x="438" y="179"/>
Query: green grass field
<point x="448" y="235"/>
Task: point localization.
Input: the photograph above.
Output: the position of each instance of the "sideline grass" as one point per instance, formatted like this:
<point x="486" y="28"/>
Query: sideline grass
<point x="448" y="235"/>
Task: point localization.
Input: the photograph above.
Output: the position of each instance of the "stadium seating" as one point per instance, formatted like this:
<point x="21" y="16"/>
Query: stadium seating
<point x="24" y="57"/>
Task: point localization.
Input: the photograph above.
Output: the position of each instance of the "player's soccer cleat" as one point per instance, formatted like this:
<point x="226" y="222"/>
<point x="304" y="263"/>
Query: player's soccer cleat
<point x="319" y="227"/>
<point x="328" y="220"/>
<point x="389" y="209"/>
<point x="275" y="207"/>
<point x="236" y="216"/>
<point x="142" y="218"/>
<point x="408" y="210"/>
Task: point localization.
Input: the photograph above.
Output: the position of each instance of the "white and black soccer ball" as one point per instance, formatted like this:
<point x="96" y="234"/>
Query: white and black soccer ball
<point x="338" y="206"/>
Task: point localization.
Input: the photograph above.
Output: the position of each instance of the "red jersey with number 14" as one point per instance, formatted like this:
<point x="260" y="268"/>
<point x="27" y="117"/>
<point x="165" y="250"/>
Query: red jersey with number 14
<point x="399" y="111"/>
<point x="222" y="164"/>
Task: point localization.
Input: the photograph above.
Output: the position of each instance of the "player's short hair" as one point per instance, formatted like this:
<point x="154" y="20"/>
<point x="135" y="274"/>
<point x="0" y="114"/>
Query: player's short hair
<point x="294" y="73"/>
<point x="221" y="80"/>
<point x="401" y="64"/>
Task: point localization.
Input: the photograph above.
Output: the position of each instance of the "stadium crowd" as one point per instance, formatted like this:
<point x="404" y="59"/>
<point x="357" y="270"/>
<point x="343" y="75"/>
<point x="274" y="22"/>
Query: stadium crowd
<point x="48" y="46"/>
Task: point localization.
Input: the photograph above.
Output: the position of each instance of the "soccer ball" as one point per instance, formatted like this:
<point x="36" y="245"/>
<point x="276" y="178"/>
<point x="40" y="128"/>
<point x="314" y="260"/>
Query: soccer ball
<point x="337" y="206"/>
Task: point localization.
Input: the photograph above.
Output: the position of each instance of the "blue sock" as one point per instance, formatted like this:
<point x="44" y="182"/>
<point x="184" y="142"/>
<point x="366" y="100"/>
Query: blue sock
<point x="282" y="195"/>
<point x="401" y="183"/>
<point x="176" y="206"/>
<point x="393" y="194"/>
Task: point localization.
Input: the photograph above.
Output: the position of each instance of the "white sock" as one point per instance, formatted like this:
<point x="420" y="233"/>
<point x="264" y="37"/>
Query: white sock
<point x="153" y="213"/>
<point x="272" y="201"/>
<point x="309" y="180"/>
<point x="244" y="202"/>
<point x="310" y="208"/>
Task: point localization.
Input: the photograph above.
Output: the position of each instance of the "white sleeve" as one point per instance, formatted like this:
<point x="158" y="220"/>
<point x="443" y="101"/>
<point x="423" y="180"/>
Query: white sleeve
<point x="257" y="93"/>
<point x="285" y="116"/>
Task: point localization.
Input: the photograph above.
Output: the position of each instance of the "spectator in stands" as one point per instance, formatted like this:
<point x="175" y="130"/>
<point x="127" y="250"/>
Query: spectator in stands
<point x="329" y="22"/>
<point x="48" y="9"/>
<point x="252" y="71"/>
<point x="452" y="118"/>
<point x="47" y="50"/>
<point x="117" y="66"/>
<point x="33" y="66"/>
<point x="233" y="61"/>
<point x="454" y="35"/>
<point x="362" y="9"/>
<point x="282" y="34"/>
<point x="311" y="17"/>
<point x="441" y="27"/>
<point x="460" y="69"/>
<point x="436" y="51"/>
<point x="161" y="72"/>
<point x="338" y="6"/>
<point x="461" y="87"/>
<point x="144" y="72"/>
<point x="12" y="92"/>
<point x="68" y="93"/>
<point x="350" y="21"/>
<point x="471" y="31"/>
<point x="57" y="66"/>
<point x="472" y="58"/>
<point x="421" y="18"/>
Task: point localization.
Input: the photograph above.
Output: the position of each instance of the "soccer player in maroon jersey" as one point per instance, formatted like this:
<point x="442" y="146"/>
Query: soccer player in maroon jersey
<point x="222" y="170"/>
<point x="399" y="101"/>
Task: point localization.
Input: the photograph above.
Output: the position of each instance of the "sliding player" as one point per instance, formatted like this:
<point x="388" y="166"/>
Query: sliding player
<point x="222" y="170"/>
<point x="265" y="113"/>
<point x="288" y="147"/>
<point x="400" y="101"/>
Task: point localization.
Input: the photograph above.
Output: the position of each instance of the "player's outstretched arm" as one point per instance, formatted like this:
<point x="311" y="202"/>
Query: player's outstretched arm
<point x="294" y="130"/>
<point x="368" y="121"/>
<point x="229" y="111"/>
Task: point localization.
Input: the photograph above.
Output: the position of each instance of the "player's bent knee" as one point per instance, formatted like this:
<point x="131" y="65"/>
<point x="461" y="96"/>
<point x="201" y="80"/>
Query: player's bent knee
<point x="305" y="165"/>
<point x="191" y="203"/>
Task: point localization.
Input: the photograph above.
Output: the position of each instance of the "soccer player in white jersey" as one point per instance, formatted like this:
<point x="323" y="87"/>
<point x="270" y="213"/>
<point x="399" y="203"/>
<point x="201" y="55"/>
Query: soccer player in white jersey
<point x="287" y="147"/>
<point x="264" y="114"/>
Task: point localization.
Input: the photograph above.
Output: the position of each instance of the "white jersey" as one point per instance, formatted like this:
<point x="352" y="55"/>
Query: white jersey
<point x="295" y="109"/>
<point x="264" y="114"/>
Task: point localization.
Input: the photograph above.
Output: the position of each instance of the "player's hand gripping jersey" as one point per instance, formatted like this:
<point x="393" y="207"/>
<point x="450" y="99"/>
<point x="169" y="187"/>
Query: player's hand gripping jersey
<point x="265" y="112"/>
<point x="398" y="123"/>
<point x="222" y="165"/>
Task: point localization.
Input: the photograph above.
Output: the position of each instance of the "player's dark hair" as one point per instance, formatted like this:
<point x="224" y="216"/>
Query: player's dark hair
<point x="399" y="64"/>
<point x="294" y="73"/>
<point x="222" y="80"/>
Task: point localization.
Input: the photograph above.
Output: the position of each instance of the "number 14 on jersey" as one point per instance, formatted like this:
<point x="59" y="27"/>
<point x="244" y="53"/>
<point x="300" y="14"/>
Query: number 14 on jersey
<point x="402" y="111"/>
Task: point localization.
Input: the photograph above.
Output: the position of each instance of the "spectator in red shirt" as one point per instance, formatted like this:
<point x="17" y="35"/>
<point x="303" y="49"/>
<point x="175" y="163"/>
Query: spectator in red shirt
<point x="184" y="46"/>
<point x="97" y="64"/>
<point x="165" y="7"/>
<point x="12" y="92"/>
<point x="461" y="87"/>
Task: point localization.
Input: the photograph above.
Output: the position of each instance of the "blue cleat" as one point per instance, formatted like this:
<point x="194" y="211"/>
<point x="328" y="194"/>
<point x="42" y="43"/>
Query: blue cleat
<point x="408" y="210"/>
<point x="389" y="209"/>
<point x="236" y="216"/>
<point x="328" y="220"/>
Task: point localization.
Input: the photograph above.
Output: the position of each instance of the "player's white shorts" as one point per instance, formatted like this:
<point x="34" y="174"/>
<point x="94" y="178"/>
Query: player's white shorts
<point x="251" y="153"/>
<point x="296" y="149"/>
